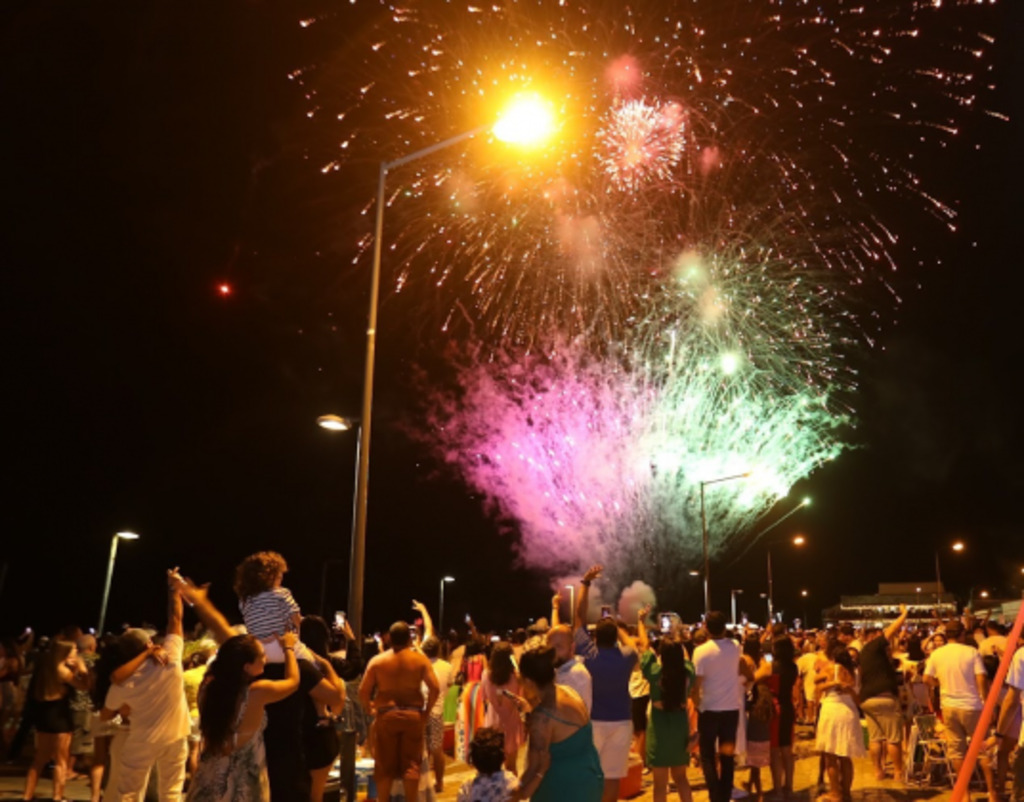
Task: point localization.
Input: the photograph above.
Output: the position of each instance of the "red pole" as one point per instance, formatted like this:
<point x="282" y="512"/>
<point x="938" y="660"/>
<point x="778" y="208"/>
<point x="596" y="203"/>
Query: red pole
<point x="978" y="739"/>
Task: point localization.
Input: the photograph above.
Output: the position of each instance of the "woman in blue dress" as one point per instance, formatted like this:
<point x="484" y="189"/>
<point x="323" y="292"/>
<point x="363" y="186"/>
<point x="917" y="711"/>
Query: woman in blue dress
<point x="561" y="761"/>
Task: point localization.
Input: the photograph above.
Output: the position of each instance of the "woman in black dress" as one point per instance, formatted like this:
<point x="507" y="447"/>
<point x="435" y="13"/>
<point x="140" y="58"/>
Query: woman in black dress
<point x="59" y="671"/>
<point x="319" y="735"/>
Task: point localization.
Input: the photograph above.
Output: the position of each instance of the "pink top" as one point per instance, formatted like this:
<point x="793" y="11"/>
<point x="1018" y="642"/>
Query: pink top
<point x="502" y="712"/>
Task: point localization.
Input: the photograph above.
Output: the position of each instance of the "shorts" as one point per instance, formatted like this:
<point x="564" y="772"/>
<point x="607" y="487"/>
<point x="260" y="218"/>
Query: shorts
<point x="54" y="717"/>
<point x="435" y="733"/>
<point x="399" y="744"/>
<point x="960" y="726"/>
<point x="613" y="740"/>
<point x="320" y="743"/>
<point x="640" y="713"/>
<point x="884" y="719"/>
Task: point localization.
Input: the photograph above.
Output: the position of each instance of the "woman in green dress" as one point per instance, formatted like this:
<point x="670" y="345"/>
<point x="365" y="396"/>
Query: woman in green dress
<point x="561" y="762"/>
<point x="668" y="727"/>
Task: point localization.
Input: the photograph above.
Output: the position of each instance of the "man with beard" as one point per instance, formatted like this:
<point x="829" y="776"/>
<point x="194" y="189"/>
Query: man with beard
<point x="568" y="669"/>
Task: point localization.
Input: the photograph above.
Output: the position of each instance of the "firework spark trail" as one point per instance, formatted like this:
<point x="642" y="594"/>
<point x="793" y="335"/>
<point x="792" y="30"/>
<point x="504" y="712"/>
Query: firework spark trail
<point x="590" y="457"/>
<point x="815" y="114"/>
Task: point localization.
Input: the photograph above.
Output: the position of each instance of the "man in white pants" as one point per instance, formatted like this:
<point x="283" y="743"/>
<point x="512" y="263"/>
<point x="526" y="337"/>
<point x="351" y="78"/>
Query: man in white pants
<point x="154" y="699"/>
<point x="609" y="659"/>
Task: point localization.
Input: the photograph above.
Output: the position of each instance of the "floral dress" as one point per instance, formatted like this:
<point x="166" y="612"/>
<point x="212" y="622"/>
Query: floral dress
<point x="240" y="776"/>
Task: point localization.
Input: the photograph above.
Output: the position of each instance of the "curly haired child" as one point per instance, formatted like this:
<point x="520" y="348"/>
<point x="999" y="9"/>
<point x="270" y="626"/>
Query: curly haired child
<point x="268" y="609"/>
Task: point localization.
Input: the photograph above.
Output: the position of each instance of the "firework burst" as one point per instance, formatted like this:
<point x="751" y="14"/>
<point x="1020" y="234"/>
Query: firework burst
<point x="601" y="459"/>
<point x="801" y="123"/>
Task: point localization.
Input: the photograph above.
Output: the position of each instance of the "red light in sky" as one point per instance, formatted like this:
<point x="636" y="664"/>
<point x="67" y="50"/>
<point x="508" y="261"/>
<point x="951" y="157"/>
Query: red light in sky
<point x="224" y="289"/>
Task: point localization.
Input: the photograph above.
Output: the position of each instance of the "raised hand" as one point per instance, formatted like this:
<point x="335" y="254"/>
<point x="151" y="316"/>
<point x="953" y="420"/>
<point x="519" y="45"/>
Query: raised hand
<point x="287" y="640"/>
<point x="158" y="655"/>
<point x="593" y="573"/>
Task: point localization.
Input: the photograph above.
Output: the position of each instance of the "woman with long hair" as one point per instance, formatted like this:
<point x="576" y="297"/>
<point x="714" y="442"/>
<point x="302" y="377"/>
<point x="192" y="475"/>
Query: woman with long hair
<point x="670" y="674"/>
<point x="781" y="682"/>
<point x="562" y="762"/>
<point x="471" y="710"/>
<point x="759" y="715"/>
<point x="319" y="735"/>
<point x="59" y="671"/>
<point x="840" y="738"/>
<point x="232" y="764"/>
<point x="502" y="713"/>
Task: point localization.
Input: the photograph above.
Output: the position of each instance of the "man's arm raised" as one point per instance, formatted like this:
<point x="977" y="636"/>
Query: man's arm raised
<point x="580" y="613"/>
<point x="199" y="599"/>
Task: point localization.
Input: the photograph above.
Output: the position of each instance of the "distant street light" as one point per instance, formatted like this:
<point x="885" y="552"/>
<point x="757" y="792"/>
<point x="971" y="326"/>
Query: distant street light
<point x="958" y="547"/>
<point x="704" y="533"/>
<point x="440" y="607"/>
<point x="110" y="575"/>
<point x="572" y="602"/>
<point x="527" y="120"/>
<point x="799" y="540"/>
<point x="732" y="601"/>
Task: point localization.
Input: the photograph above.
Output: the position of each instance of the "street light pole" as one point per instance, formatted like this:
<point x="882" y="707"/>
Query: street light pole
<point x="440" y="607"/>
<point x="110" y="575"/>
<point x="358" y="563"/>
<point x="572" y="604"/>
<point x="704" y="534"/>
<point x="733" y="594"/>
<point x="771" y="595"/>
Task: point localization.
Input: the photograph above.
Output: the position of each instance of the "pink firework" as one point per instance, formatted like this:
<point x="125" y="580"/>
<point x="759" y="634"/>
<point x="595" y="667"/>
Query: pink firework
<point x="550" y="440"/>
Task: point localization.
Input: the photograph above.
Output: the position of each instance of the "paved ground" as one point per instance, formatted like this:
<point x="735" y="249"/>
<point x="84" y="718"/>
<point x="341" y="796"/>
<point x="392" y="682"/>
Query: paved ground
<point x="865" y="787"/>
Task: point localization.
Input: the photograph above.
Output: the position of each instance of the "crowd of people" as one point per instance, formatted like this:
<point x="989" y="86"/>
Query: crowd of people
<point x="257" y="711"/>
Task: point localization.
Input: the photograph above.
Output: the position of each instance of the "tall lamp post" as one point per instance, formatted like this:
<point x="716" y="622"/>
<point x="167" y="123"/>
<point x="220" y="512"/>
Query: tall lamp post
<point x="732" y="599"/>
<point x="523" y="123"/>
<point x="440" y="606"/>
<point x="704" y="533"/>
<point x="110" y="575"/>
<point x="572" y="602"/>
<point x="958" y="547"/>
<point x="798" y="540"/>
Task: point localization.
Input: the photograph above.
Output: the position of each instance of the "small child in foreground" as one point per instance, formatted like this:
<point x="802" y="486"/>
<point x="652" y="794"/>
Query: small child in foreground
<point x="268" y="609"/>
<point x="492" y="783"/>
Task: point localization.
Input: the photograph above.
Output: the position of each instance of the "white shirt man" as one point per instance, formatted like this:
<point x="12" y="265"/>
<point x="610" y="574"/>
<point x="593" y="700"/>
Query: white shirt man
<point x="569" y="669"/>
<point x="158" y="710"/>
<point x="958" y="671"/>
<point x="717" y="690"/>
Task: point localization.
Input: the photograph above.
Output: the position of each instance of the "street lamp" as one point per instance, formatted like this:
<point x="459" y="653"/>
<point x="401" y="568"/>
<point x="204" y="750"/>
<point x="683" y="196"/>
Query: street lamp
<point x="732" y="600"/>
<point x="958" y="547"/>
<point x="526" y="121"/>
<point x="334" y="423"/>
<point x="110" y="575"/>
<point x="440" y="606"/>
<point x="704" y="533"/>
<point x="799" y="540"/>
<point x="572" y="602"/>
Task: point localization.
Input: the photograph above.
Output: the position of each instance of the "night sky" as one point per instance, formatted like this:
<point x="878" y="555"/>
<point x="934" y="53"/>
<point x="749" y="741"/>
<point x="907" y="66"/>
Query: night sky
<point x="153" y="151"/>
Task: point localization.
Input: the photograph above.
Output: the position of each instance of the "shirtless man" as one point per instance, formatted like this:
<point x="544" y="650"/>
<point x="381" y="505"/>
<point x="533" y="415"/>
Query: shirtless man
<point x="391" y="691"/>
